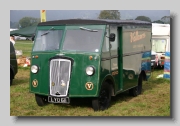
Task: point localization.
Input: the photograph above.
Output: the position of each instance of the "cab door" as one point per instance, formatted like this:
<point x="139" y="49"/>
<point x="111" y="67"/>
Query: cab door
<point x="116" y="61"/>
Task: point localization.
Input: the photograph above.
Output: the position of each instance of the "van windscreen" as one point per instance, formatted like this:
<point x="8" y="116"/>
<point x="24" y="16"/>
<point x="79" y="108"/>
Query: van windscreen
<point x="83" y="40"/>
<point x="47" y="40"/>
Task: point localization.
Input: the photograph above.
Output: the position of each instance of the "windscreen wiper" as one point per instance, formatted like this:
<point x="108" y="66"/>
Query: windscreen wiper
<point x="47" y="31"/>
<point x="91" y="30"/>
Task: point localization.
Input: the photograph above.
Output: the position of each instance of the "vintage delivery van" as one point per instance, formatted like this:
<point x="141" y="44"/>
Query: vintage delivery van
<point x="93" y="59"/>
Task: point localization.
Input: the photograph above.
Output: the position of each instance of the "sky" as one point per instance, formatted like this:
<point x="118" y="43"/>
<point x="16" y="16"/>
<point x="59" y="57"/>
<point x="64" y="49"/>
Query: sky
<point x="16" y="15"/>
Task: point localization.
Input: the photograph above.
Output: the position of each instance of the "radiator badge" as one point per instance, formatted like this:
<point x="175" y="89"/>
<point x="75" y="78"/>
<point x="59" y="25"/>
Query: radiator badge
<point x="34" y="83"/>
<point x="89" y="86"/>
<point x="63" y="83"/>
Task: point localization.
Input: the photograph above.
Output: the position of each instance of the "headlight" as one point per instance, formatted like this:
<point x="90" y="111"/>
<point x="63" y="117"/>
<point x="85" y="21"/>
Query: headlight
<point x="90" y="70"/>
<point x="34" y="69"/>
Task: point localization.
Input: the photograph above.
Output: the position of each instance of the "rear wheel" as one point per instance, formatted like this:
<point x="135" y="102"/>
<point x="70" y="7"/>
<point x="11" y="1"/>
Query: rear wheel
<point x="41" y="100"/>
<point x="138" y="89"/>
<point x="103" y="101"/>
<point x="134" y="91"/>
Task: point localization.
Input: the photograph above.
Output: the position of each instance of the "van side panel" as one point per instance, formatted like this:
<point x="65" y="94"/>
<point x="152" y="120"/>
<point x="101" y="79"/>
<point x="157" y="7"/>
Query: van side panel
<point x="136" y="42"/>
<point x="133" y="56"/>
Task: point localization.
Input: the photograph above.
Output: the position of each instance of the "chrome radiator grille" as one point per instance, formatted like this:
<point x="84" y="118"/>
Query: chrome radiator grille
<point x="59" y="77"/>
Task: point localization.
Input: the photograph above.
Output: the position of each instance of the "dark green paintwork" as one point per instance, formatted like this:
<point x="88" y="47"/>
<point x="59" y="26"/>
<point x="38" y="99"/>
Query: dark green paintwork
<point x="78" y="77"/>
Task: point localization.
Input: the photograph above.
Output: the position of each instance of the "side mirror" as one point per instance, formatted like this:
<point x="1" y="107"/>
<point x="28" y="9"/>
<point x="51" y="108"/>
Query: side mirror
<point x="112" y="37"/>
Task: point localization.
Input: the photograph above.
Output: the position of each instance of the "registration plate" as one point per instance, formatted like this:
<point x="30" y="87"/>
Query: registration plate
<point x="58" y="100"/>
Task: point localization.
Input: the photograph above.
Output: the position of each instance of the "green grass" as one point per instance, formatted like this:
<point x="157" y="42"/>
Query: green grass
<point x="25" y="46"/>
<point x="154" y="101"/>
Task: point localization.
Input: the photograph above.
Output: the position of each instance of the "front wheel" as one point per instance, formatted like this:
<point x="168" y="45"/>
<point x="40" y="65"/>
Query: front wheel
<point x="41" y="100"/>
<point x="103" y="101"/>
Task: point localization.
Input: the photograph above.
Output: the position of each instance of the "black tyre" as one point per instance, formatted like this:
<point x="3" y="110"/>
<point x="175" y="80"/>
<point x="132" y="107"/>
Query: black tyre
<point x="103" y="101"/>
<point x="138" y="89"/>
<point x="134" y="91"/>
<point x="41" y="100"/>
<point x="11" y="78"/>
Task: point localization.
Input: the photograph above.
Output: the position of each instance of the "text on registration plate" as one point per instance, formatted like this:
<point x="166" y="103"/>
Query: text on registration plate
<point x="58" y="100"/>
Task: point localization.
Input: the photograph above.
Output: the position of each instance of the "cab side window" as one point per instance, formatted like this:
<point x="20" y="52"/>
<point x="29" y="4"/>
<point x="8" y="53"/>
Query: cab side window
<point x="114" y="45"/>
<point x="106" y="42"/>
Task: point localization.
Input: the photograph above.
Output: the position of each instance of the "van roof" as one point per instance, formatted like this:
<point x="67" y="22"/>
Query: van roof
<point x="91" y="21"/>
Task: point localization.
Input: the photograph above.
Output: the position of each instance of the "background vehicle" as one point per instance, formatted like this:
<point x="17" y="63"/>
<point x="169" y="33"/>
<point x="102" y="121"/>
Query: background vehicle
<point x="93" y="59"/>
<point x="20" y="38"/>
<point x="160" y="38"/>
<point x="13" y="63"/>
<point x="153" y="59"/>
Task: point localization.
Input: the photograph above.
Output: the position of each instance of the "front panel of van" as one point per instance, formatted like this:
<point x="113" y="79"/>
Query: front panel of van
<point x="66" y="60"/>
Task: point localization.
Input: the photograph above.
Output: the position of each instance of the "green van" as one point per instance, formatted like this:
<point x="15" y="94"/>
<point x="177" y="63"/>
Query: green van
<point x="97" y="59"/>
<point x="13" y="63"/>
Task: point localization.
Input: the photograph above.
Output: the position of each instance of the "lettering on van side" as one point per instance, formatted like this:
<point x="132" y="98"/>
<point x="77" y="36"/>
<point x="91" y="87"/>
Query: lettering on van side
<point x="135" y="36"/>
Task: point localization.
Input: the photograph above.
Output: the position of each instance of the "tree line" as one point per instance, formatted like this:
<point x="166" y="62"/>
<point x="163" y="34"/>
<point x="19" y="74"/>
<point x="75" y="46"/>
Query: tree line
<point x="104" y="14"/>
<point x="115" y="14"/>
<point x="25" y="22"/>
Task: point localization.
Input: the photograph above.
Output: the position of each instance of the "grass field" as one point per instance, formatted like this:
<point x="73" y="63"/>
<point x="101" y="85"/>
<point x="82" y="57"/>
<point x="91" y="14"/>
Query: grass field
<point x="154" y="100"/>
<point x="25" y="46"/>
